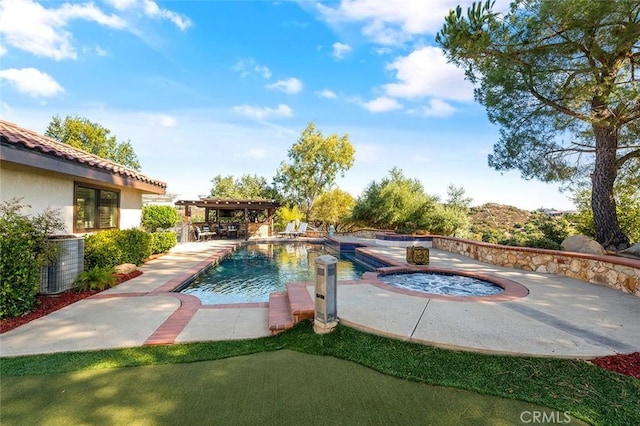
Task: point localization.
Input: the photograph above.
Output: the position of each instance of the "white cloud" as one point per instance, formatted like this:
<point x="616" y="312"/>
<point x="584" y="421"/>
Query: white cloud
<point x="247" y="66"/>
<point x="340" y="50"/>
<point x="326" y="93"/>
<point x="405" y="16"/>
<point x="380" y="33"/>
<point x="291" y="86"/>
<point x="3" y="50"/>
<point x="32" y="82"/>
<point x="29" y="26"/>
<point x="425" y="72"/>
<point x="394" y="22"/>
<point x="381" y="104"/>
<point x="151" y="9"/>
<point x="162" y="120"/>
<point x="435" y="108"/>
<point x="262" y="113"/>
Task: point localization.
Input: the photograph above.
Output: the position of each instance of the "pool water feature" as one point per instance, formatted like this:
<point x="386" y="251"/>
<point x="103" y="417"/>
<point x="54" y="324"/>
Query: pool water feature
<point x="440" y="283"/>
<point x="254" y="271"/>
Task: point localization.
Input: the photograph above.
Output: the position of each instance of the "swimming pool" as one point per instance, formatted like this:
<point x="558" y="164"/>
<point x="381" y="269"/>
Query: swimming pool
<point x="254" y="271"/>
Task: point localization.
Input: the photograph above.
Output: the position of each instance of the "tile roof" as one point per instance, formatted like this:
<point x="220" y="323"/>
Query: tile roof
<point x="20" y="137"/>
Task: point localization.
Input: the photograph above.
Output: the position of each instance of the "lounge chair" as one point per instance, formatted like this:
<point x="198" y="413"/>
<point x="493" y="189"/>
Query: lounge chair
<point x="288" y="230"/>
<point x="207" y="233"/>
<point x="302" y="230"/>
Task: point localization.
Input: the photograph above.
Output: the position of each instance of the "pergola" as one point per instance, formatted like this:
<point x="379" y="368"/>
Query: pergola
<point x="247" y="215"/>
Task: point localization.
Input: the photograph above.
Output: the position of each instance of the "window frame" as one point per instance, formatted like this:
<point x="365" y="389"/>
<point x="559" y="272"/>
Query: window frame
<point x="98" y="190"/>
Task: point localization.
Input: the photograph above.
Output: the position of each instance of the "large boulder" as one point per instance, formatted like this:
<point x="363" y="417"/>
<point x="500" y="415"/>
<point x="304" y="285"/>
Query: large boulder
<point x="125" y="268"/>
<point x="582" y="244"/>
<point x="634" y="250"/>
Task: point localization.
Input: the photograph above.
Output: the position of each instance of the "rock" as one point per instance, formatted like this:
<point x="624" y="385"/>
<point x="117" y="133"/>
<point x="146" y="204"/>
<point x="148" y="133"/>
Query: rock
<point x="582" y="244"/>
<point x="125" y="268"/>
<point x="634" y="250"/>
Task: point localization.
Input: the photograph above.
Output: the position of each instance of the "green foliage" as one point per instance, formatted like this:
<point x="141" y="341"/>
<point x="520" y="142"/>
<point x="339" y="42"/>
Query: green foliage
<point x="95" y="279"/>
<point x="248" y="187"/>
<point x="110" y="248"/>
<point x="285" y="215"/>
<point x="560" y="79"/>
<point x="25" y="248"/>
<point x="540" y="231"/>
<point x="446" y="220"/>
<point x="84" y="134"/>
<point x="332" y="208"/>
<point x="102" y="250"/>
<point x="397" y="203"/>
<point x="315" y="162"/>
<point x="159" y="217"/>
<point x="628" y="212"/>
<point x="162" y="242"/>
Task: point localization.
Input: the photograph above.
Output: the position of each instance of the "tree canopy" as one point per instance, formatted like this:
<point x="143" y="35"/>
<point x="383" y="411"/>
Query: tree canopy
<point x="315" y="163"/>
<point x="333" y="207"/>
<point x="396" y="202"/>
<point x="84" y="134"/>
<point x="247" y="187"/>
<point x="560" y="78"/>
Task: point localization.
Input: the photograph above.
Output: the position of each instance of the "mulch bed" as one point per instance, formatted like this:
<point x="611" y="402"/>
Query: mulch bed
<point x="623" y="364"/>
<point x="50" y="303"/>
<point x="628" y="364"/>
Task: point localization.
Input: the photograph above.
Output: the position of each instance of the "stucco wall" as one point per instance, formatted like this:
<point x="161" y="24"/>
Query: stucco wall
<point x="616" y="272"/>
<point x="41" y="189"/>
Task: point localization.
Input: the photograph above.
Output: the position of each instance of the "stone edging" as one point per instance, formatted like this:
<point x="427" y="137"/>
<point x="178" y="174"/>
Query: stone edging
<point x="620" y="273"/>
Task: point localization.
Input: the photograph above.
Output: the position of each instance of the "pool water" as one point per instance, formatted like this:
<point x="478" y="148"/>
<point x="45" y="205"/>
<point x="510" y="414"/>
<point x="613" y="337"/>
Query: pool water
<point x="446" y="284"/>
<point x="255" y="270"/>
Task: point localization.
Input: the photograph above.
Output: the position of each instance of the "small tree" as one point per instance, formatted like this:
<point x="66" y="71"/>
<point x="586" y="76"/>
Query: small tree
<point x="25" y="248"/>
<point x="248" y="187"/>
<point x="156" y="217"/>
<point x="332" y="208"/>
<point x="316" y="161"/>
<point x="84" y="134"/>
<point x="396" y="202"/>
<point x="285" y="215"/>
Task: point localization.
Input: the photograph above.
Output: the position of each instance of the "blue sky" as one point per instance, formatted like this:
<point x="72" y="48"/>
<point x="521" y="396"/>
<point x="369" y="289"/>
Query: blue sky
<point x="202" y="88"/>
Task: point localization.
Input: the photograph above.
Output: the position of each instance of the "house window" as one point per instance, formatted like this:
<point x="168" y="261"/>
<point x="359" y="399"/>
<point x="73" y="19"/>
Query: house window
<point x="95" y="208"/>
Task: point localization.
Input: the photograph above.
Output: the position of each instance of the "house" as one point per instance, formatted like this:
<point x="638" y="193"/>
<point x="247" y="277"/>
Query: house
<point x="91" y="193"/>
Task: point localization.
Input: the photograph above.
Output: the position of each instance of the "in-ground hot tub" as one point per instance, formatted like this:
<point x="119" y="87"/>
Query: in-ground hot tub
<point x="440" y="283"/>
<point x="447" y="284"/>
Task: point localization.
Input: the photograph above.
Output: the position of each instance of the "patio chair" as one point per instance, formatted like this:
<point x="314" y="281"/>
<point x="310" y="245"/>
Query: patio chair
<point x="288" y="230"/>
<point x="302" y="230"/>
<point x="207" y="233"/>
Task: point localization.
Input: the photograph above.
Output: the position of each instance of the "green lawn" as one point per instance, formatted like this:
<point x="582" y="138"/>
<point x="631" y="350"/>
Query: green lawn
<point x="275" y="386"/>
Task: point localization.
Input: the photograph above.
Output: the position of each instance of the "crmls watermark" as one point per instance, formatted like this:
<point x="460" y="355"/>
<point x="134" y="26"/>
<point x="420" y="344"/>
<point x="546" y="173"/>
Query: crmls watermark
<point x="544" y="417"/>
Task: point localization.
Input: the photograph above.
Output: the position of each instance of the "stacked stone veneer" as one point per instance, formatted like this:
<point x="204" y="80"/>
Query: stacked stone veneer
<point x="613" y="271"/>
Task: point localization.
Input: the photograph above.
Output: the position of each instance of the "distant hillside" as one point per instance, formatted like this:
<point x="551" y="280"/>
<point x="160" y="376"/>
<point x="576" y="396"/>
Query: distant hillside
<point x="498" y="217"/>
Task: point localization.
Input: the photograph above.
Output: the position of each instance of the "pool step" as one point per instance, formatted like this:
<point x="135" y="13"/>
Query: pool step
<point x="286" y="308"/>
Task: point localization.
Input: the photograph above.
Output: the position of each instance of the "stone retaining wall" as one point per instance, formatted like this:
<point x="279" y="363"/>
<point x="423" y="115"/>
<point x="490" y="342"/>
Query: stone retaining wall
<point x="616" y="272"/>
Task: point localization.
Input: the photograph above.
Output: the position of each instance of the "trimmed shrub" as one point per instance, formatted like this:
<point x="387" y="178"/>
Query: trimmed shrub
<point x="101" y="250"/>
<point x="135" y="245"/>
<point x="162" y="242"/>
<point x="159" y="217"/>
<point x="24" y="249"/>
<point x="107" y="249"/>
